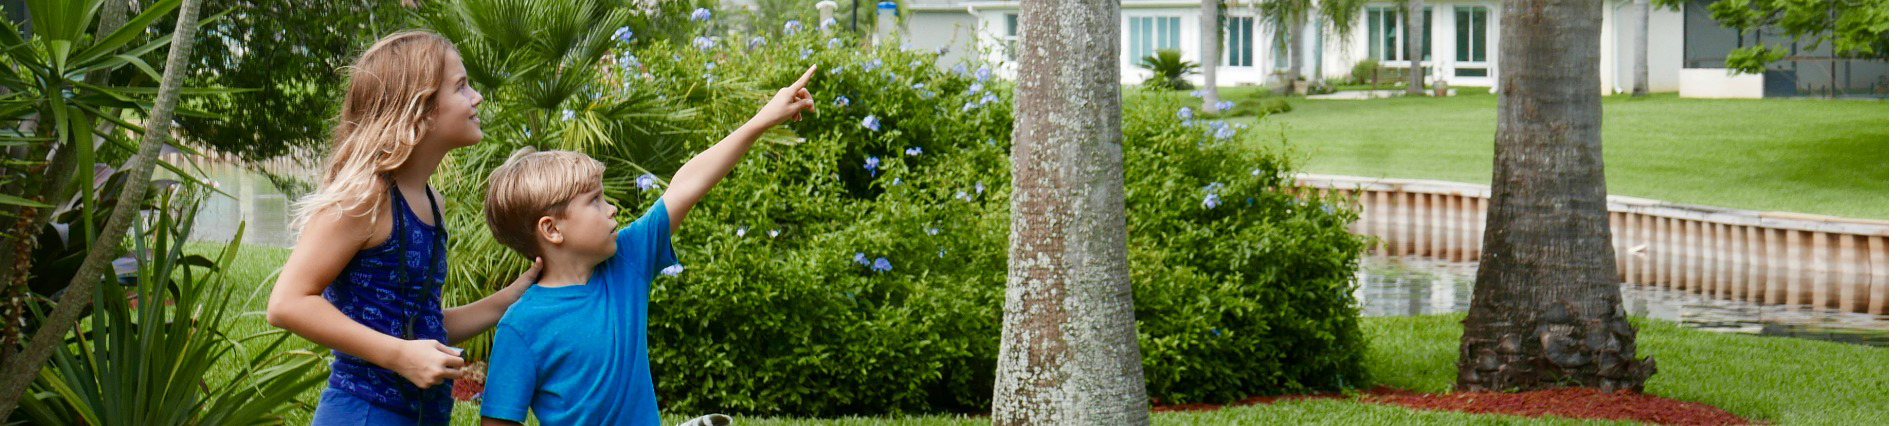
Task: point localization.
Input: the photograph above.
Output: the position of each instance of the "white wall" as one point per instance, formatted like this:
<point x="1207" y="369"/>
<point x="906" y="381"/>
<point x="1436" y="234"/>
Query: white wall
<point x="1716" y="83"/>
<point x="1619" y="48"/>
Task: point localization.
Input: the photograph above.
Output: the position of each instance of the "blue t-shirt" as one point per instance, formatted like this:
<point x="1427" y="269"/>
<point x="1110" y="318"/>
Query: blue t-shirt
<point x="577" y="354"/>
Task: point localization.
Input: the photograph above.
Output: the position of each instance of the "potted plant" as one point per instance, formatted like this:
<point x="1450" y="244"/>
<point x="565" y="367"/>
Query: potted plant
<point x="1299" y="85"/>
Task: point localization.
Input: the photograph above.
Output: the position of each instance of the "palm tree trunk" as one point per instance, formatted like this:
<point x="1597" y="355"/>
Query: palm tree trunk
<point x="1415" y="42"/>
<point x="1069" y="353"/>
<point x="1641" y="88"/>
<point x="1295" y="53"/>
<point x="21" y="369"/>
<point x="1545" y="311"/>
<point x="1211" y="58"/>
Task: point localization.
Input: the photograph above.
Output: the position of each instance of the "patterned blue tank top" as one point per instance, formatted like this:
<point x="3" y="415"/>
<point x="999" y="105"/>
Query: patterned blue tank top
<point x="395" y="288"/>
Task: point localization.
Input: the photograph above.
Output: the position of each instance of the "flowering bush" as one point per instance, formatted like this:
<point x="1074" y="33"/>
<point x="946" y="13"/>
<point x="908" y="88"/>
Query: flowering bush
<point x="854" y="261"/>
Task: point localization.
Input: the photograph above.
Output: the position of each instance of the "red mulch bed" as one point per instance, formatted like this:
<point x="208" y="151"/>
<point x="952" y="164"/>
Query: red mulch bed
<point x="1576" y="403"/>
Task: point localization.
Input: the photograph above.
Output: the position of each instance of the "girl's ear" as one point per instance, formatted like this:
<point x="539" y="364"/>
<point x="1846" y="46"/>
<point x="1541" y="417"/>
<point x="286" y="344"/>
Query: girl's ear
<point x="549" y="231"/>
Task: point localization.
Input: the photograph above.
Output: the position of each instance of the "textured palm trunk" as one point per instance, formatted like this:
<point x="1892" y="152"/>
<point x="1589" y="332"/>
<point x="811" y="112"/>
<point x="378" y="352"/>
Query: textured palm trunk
<point x="1545" y="311"/>
<point x="22" y="368"/>
<point x="1415" y="42"/>
<point x="1642" y="50"/>
<point x="1295" y="52"/>
<point x="1068" y="354"/>
<point x="1211" y="58"/>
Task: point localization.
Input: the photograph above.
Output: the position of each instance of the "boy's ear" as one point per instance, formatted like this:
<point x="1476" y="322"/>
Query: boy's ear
<point x="547" y="230"/>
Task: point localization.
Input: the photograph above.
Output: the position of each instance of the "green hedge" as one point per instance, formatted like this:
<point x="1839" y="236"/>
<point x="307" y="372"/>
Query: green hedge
<point x="776" y="313"/>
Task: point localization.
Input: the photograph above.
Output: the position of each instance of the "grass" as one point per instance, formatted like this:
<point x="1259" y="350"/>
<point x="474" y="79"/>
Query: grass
<point x="1782" y="380"/>
<point x="1809" y="156"/>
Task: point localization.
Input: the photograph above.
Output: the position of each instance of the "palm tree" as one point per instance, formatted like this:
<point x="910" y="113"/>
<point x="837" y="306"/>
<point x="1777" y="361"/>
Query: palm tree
<point x="23" y="367"/>
<point x="1289" y="18"/>
<point x="1545" y="311"/>
<point x="1069" y="353"/>
<point x="1414" y="40"/>
<point x="1210" y="53"/>
<point x="1641" y="88"/>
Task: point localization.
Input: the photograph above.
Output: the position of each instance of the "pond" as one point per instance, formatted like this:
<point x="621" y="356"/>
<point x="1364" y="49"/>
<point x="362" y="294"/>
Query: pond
<point x="1411" y="285"/>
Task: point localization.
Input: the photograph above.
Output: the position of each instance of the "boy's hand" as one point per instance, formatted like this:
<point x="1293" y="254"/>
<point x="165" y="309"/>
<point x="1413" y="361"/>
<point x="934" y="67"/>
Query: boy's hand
<point x="788" y="102"/>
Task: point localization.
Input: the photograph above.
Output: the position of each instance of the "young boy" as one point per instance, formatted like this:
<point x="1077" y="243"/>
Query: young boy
<point x="573" y="349"/>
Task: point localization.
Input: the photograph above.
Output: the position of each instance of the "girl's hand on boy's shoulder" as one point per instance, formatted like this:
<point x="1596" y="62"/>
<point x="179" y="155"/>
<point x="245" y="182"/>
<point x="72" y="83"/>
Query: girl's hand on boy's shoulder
<point x="788" y="103"/>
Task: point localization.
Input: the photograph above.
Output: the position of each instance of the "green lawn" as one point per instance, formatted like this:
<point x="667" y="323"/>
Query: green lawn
<point x="1810" y="156"/>
<point x="1781" y="380"/>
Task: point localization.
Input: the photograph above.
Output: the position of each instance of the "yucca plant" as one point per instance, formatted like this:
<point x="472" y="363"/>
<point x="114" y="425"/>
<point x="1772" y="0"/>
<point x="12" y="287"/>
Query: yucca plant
<point x="554" y="76"/>
<point x="1170" y="72"/>
<point x="144" y="356"/>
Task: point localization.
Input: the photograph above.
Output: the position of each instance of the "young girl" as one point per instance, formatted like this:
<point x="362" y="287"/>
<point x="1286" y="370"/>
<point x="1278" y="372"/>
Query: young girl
<point x="365" y="277"/>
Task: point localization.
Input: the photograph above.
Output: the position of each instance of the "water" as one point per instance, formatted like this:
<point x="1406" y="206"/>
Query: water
<point x="1408" y="286"/>
<point x="268" y="221"/>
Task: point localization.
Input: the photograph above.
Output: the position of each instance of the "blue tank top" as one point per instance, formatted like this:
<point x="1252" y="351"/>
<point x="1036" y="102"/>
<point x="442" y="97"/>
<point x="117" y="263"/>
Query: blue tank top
<point x="395" y="288"/>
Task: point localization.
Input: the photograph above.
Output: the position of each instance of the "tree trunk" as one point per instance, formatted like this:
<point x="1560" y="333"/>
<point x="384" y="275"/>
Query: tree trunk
<point x="1641" y="88"/>
<point x="1211" y="58"/>
<point x="1545" y="311"/>
<point x="1069" y="353"/>
<point x="21" y="369"/>
<point x="1296" y="43"/>
<point x="1415" y="42"/>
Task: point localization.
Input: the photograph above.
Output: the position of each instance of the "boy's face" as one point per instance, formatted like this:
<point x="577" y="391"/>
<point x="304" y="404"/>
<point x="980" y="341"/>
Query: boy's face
<point x="588" y="228"/>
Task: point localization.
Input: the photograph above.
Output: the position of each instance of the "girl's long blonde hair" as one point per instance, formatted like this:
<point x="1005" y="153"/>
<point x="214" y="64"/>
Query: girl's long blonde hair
<point x="386" y="110"/>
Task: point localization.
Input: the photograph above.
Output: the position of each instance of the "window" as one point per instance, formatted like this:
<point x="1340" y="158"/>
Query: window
<point x="1150" y="33"/>
<point x="1385" y="34"/>
<point x="1009" y="36"/>
<point x="1280" y="60"/>
<point x="1472" y="36"/>
<point x="1239" y="44"/>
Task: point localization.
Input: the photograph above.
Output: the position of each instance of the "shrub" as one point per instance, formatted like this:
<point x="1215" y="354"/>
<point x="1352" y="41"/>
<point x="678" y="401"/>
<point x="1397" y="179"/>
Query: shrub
<point x="1277" y="106"/>
<point x="1170" y="72"/>
<point x="1363" y="71"/>
<point x="854" y="262"/>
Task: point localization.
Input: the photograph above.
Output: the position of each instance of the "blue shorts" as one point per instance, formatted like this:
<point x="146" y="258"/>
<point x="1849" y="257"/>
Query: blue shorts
<point x="337" y="408"/>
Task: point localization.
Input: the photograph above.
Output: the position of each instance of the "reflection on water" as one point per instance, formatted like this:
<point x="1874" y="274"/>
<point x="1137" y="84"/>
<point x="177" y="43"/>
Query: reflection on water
<point x="252" y="199"/>
<point x="1406" y="286"/>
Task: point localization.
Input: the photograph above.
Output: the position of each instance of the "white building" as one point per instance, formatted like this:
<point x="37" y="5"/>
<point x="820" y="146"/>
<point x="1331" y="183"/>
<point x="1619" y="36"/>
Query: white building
<point x="1461" y="38"/>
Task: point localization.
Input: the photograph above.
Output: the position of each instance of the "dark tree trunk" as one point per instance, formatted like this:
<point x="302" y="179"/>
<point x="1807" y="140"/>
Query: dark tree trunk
<point x="1545" y="311"/>
<point x="1069" y="352"/>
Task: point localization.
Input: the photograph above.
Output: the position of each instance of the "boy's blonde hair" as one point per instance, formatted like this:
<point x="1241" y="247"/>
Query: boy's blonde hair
<point x="532" y="185"/>
<point x="386" y="110"/>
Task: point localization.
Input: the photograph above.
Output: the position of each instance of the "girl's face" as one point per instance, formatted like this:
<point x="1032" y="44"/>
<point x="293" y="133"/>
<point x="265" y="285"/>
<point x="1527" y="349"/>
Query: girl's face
<point x="456" y="120"/>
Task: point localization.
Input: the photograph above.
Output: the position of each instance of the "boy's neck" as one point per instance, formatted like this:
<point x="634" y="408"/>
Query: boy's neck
<point x="563" y="271"/>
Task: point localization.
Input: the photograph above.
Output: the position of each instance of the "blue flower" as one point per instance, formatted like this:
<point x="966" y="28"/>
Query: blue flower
<point x="1326" y="208"/>
<point x="673" y="270"/>
<point x="827" y="23"/>
<point x="873" y="64"/>
<point x="1224" y="133"/>
<point x="969" y="106"/>
<point x="623" y="34"/>
<point x="1223" y="106"/>
<point x="860" y="258"/>
<point x="1213" y="187"/>
<point x="646" y="182"/>
<point x="870" y="122"/>
<point x="756" y="42"/>
<point x="931" y="231"/>
<point x="987" y="98"/>
<point x="974" y="87"/>
<point x="965" y="196"/>
<point x="833" y="44"/>
<point x="1210" y="201"/>
<point x="701" y="14"/>
<point x="918" y="86"/>
<point x="841" y="101"/>
<point x="992" y="142"/>
<point x="979" y="188"/>
<point x="940" y="252"/>
<point x="927" y="94"/>
<point x="1256" y="172"/>
<point x="897" y="181"/>
<point x="1184" y="113"/>
<point x="915" y="64"/>
<point x="792" y="26"/>
<point x="709" y="66"/>
<point x="772" y="233"/>
<point x="836" y="70"/>
<point x="905" y="46"/>
<point x="960" y="69"/>
<point x="702" y="43"/>
<point x="567" y="114"/>
<point x="741" y="231"/>
<point x="1198" y="93"/>
<point x="870" y="163"/>
<point x="1214" y="331"/>
<point x="983" y="74"/>
<point x="914" y="151"/>
<point x="881" y="265"/>
<point x="805" y="54"/>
